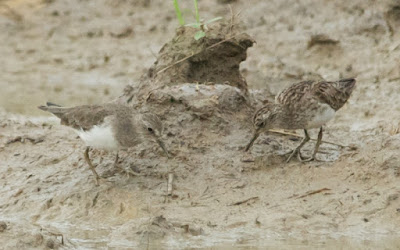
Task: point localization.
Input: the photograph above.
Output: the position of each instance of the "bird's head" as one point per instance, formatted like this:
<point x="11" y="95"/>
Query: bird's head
<point x="153" y="127"/>
<point x="345" y="86"/>
<point x="264" y="119"/>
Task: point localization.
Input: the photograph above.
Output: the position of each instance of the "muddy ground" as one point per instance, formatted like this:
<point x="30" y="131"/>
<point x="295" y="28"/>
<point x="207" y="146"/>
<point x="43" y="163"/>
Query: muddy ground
<point x="78" y="52"/>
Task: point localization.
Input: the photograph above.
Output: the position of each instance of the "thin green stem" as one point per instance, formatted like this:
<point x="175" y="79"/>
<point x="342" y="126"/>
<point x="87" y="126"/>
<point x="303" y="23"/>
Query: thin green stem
<point x="178" y="13"/>
<point x="196" y="8"/>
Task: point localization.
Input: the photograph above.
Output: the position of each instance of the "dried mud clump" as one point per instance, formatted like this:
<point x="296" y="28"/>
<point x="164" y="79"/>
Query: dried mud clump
<point x="212" y="59"/>
<point x="392" y="16"/>
<point x="321" y="39"/>
<point x="198" y="77"/>
<point x="3" y="226"/>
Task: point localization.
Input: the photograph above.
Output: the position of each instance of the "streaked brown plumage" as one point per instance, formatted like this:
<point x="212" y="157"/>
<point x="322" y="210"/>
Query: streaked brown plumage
<point x="109" y="126"/>
<point x="303" y="105"/>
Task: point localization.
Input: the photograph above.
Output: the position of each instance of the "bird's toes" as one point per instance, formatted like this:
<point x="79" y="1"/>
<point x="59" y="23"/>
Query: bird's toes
<point x="129" y="172"/>
<point x="307" y="159"/>
<point x="102" y="181"/>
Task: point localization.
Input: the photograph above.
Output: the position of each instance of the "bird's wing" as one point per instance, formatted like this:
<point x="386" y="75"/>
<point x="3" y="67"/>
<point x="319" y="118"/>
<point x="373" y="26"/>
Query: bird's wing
<point x="332" y="93"/>
<point x="80" y="117"/>
<point x="295" y="94"/>
<point x="86" y="116"/>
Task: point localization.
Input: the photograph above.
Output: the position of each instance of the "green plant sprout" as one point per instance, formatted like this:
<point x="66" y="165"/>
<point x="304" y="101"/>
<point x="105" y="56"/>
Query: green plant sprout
<point x="202" y="26"/>
<point x="199" y="24"/>
<point x="196" y="13"/>
<point x="178" y="13"/>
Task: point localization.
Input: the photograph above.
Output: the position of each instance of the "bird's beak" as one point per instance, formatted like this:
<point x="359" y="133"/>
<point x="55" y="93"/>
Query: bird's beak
<point x="163" y="147"/>
<point x="255" y="136"/>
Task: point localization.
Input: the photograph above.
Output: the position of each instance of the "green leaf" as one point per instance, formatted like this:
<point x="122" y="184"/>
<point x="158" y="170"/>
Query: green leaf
<point x="213" y="20"/>
<point x="199" y="34"/>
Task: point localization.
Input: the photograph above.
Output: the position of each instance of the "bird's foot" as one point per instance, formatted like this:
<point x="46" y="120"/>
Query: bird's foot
<point x="128" y="172"/>
<point x="297" y="153"/>
<point x="312" y="158"/>
<point x="99" y="180"/>
<point x="293" y="153"/>
<point x="301" y="158"/>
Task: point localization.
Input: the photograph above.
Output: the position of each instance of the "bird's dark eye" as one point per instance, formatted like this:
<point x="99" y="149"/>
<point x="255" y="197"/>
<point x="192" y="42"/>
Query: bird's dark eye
<point x="150" y="130"/>
<point x="259" y="123"/>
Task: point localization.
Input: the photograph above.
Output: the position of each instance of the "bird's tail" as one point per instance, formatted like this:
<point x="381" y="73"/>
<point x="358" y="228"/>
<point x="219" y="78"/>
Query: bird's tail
<point x="53" y="108"/>
<point x="347" y="83"/>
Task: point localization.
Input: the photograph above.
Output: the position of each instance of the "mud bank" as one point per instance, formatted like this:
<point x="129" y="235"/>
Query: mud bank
<point x="84" y="53"/>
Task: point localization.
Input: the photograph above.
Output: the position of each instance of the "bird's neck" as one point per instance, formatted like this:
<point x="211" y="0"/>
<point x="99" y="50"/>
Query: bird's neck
<point x="282" y="117"/>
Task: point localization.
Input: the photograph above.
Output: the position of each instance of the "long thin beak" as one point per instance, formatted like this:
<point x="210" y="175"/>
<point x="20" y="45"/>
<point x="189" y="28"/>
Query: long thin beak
<point x="163" y="147"/>
<point x="255" y="136"/>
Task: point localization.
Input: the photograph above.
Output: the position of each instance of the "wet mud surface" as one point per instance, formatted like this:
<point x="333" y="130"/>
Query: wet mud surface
<point x="82" y="52"/>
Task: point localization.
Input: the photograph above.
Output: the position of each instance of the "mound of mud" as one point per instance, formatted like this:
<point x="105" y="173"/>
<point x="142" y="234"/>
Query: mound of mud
<point x="202" y="75"/>
<point x="212" y="59"/>
<point x="210" y="193"/>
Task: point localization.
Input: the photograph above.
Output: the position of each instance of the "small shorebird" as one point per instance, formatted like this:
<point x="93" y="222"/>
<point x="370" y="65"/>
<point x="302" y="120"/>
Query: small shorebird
<point x="303" y="105"/>
<point x="109" y="127"/>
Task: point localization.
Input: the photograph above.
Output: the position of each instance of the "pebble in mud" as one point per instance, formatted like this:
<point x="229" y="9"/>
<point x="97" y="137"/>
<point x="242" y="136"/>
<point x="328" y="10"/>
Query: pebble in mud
<point x="52" y="244"/>
<point x="38" y="239"/>
<point x="3" y="226"/>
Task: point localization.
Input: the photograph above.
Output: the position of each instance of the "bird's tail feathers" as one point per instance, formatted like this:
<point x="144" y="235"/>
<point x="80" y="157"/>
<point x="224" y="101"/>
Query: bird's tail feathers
<point x="52" y="104"/>
<point x="52" y="108"/>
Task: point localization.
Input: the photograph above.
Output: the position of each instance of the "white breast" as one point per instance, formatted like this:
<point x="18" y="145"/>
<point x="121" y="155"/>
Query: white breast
<point x="323" y="114"/>
<point x="100" y="137"/>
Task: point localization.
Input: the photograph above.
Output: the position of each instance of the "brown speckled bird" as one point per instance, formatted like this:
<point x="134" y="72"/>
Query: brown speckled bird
<point x="109" y="127"/>
<point x="303" y="105"/>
